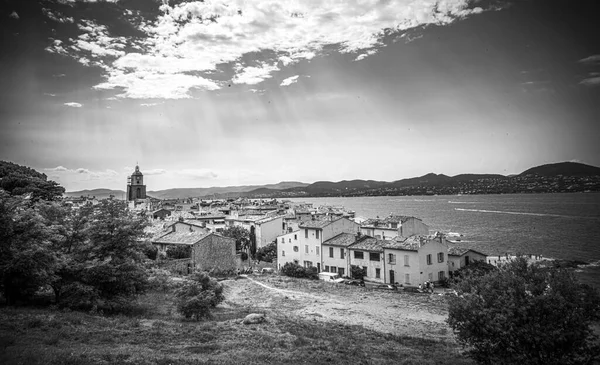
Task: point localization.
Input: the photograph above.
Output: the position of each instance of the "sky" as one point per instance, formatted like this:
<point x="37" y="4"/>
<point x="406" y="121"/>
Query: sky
<point x="249" y="92"/>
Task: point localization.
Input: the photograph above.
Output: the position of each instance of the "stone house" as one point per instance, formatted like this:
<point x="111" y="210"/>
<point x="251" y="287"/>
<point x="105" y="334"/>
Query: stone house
<point x="367" y="253"/>
<point x="459" y="257"/>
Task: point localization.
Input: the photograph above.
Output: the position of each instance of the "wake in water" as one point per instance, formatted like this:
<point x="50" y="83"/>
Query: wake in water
<point x="521" y="213"/>
<point x="453" y="202"/>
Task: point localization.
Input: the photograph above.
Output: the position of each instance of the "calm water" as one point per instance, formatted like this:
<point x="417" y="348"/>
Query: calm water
<point x="565" y="226"/>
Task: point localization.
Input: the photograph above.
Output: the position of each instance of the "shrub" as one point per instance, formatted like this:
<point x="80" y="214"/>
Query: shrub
<point x="297" y="271"/>
<point x="160" y="280"/>
<point x="196" y="298"/>
<point x="267" y="253"/>
<point x="179" y="252"/>
<point x="357" y="272"/>
<point x="526" y="314"/>
<point x="244" y="256"/>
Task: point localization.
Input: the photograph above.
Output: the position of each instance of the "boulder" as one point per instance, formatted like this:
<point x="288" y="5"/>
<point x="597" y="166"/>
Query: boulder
<point x="254" y="318"/>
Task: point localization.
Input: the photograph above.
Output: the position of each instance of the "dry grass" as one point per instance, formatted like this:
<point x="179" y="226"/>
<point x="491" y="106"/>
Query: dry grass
<point x="161" y="336"/>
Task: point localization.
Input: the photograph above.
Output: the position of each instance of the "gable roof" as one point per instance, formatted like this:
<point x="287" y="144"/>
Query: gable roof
<point x="341" y="240"/>
<point x="180" y="238"/>
<point x="368" y="243"/>
<point x="412" y="243"/>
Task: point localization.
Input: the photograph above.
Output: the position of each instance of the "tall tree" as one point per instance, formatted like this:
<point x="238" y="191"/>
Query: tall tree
<point x="526" y="314"/>
<point x="241" y="236"/>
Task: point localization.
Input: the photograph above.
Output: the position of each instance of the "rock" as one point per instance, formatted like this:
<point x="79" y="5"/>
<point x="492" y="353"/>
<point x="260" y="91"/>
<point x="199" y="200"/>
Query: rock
<point x="254" y="318"/>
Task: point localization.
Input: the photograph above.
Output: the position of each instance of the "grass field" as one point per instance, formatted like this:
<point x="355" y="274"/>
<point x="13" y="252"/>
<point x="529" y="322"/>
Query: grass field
<point x="158" y="335"/>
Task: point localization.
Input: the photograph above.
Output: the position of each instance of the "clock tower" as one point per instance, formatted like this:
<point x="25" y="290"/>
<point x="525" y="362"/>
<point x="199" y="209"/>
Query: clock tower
<point x="135" y="185"/>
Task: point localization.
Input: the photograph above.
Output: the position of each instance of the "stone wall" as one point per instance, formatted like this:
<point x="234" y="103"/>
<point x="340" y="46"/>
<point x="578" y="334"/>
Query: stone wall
<point x="215" y="252"/>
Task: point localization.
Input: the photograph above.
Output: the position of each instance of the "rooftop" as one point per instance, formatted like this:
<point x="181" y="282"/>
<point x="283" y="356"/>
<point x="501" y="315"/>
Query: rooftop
<point x="341" y="240"/>
<point x="315" y="224"/>
<point x="180" y="238"/>
<point x="368" y="243"/>
<point x="412" y="243"/>
<point x="459" y="251"/>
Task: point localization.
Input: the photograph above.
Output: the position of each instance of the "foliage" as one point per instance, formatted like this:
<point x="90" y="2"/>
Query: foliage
<point x="196" y="298"/>
<point x="19" y="180"/>
<point x="244" y="256"/>
<point x="241" y="236"/>
<point x="357" y="272"/>
<point x="267" y="253"/>
<point x="525" y="314"/>
<point x="179" y="252"/>
<point x="297" y="271"/>
<point x="27" y="261"/>
<point x="475" y="269"/>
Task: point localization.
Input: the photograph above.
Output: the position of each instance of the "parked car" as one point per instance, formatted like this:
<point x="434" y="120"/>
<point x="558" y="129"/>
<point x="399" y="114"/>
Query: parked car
<point x="330" y="276"/>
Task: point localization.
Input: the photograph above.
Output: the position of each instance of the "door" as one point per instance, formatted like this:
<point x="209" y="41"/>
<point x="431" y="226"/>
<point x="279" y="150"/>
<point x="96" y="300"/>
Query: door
<point x="466" y="260"/>
<point x="318" y="267"/>
<point x="392" y="278"/>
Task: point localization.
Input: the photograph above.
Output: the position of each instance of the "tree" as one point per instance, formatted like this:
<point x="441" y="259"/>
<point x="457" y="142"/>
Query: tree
<point x="267" y="253"/>
<point x="357" y="272"/>
<point x="196" y="298"/>
<point x="27" y="261"/>
<point x="19" y="180"/>
<point x="526" y="314"/>
<point x="179" y="252"/>
<point x="241" y="236"/>
<point x="297" y="271"/>
<point x="252" y="238"/>
<point x="476" y="268"/>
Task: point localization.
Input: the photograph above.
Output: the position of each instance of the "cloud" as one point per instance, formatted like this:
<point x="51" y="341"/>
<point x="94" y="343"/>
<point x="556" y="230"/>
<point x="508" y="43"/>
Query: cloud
<point x="150" y="104"/>
<point x="154" y="172"/>
<point x="57" y="168"/>
<point x="57" y="16"/>
<point x="591" y="81"/>
<point x="591" y="60"/>
<point x="199" y="174"/>
<point x="289" y="81"/>
<point x="73" y="105"/>
<point x="362" y="56"/>
<point x="14" y="15"/>
<point x="180" y="50"/>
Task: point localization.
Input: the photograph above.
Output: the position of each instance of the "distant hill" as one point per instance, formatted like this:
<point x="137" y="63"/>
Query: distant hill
<point x="98" y="193"/>
<point x="563" y="168"/>
<point x="558" y="177"/>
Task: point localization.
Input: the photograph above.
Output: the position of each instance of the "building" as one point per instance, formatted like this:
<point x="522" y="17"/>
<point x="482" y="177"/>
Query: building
<point x="305" y="248"/>
<point x="414" y="260"/>
<point x="214" y="222"/>
<point x="266" y="228"/>
<point x="336" y="256"/>
<point x="161" y="214"/>
<point x="188" y="226"/>
<point x="367" y="254"/>
<point x="459" y="257"/>
<point x="394" y="226"/>
<point x="135" y="185"/>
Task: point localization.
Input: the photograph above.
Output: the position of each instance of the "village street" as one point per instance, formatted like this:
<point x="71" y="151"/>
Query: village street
<point x="413" y="314"/>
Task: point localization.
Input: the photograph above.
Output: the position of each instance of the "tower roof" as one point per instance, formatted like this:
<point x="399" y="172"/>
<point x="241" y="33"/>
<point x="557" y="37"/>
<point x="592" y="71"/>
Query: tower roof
<point x="137" y="171"/>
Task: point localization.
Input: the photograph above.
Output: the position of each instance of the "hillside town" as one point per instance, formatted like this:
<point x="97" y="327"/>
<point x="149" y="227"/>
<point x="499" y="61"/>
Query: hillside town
<point x="398" y="250"/>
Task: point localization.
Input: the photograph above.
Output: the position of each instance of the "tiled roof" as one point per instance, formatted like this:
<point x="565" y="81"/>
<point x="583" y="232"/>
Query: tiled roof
<point x="211" y="216"/>
<point x="315" y="224"/>
<point x="412" y="243"/>
<point x="180" y="238"/>
<point x="341" y="240"/>
<point x="368" y="243"/>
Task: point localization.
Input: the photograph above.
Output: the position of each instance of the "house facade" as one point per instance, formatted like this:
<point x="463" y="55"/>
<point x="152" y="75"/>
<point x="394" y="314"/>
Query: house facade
<point x="308" y="240"/>
<point x="459" y="257"/>
<point x="336" y="257"/>
<point x="393" y="226"/>
<point x="367" y="253"/>
<point x="214" y="251"/>
<point x="414" y="260"/>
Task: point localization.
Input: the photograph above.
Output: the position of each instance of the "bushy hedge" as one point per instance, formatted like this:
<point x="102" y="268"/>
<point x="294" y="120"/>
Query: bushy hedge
<point x="297" y="271"/>
<point x="196" y="298"/>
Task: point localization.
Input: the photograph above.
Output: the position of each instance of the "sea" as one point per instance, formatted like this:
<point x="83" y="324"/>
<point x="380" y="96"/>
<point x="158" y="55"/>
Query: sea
<point x="556" y="226"/>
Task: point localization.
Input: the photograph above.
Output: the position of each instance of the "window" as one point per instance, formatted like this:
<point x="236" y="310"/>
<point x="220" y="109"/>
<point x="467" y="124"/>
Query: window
<point x="392" y="259"/>
<point x="289" y="240"/>
<point x="394" y="225"/>
<point x="429" y="259"/>
<point x="333" y="269"/>
<point x="441" y="257"/>
<point x="441" y="275"/>
<point x="365" y="270"/>
<point x="326" y="268"/>
<point x="305" y="232"/>
<point x="406" y="278"/>
<point x="378" y="273"/>
<point x="317" y="250"/>
<point x="308" y="264"/>
<point x="341" y="271"/>
<point x="358" y="255"/>
<point x="374" y="256"/>
<point x="282" y="239"/>
<point x="317" y="233"/>
<point x="342" y="253"/>
<point x="295" y="248"/>
<point x="330" y="251"/>
<point x="406" y="262"/>
<point x="282" y="253"/>
<point x="305" y="248"/>
<point x="295" y="237"/>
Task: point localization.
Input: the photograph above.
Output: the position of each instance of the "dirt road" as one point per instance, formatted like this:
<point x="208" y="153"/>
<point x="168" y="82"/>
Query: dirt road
<point x="419" y="315"/>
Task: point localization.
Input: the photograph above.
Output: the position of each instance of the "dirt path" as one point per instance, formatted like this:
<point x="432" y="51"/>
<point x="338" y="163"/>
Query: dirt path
<point x="389" y="312"/>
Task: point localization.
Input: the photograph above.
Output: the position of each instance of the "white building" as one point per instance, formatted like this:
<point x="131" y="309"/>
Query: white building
<point x="394" y="226"/>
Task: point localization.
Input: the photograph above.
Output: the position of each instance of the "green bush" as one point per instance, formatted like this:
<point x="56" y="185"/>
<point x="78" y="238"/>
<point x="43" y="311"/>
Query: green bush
<point x="297" y="271"/>
<point x="357" y="272"/>
<point x="526" y="314"/>
<point x="196" y="298"/>
<point x="267" y="253"/>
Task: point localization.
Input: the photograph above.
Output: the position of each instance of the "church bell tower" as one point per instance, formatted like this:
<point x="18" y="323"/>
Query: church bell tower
<point x="135" y="185"/>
